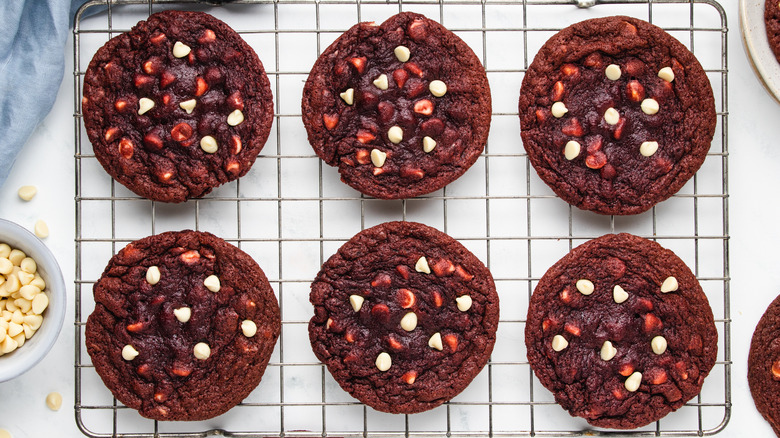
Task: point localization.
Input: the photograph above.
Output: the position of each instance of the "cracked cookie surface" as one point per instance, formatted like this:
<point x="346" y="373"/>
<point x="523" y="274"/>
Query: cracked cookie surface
<point x="764" y="365"/>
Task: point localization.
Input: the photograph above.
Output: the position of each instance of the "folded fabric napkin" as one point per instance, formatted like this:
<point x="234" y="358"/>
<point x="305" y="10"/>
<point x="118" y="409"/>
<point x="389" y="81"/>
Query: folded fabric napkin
<point x="32" y="60"/>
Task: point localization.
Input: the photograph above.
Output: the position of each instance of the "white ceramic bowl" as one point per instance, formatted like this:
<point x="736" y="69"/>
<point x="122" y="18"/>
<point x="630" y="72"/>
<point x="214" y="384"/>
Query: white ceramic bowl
<point x="35" y="348"/>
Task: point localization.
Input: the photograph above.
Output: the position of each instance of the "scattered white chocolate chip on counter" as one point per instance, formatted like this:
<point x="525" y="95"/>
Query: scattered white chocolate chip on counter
<point x="26" y="193"/>
<point x="666" y="74"/>
<point x="669" y="285"/>
<point x="235" y="118"/>
<point x="558" y="110"/>
<point x="54" y="401"/>
<point x="144" y="105"/>
<point x="209" y="144"/>
<point x="129" y="352"/>
<point x="435" y="341"/>
<point x="188" y="105"/>
<point x="153" y="275"/>
<point x="402" y="53"/>
<point x="182" y="314"/>
<point x="180" y="50"/>
<point x="428" y="144"/>
<point x="658" y="344"/>
<point x="378" y="157"/>
<point x="571" y="150"/>
<point x="41" y="229"/>
<point x="464" y="302"/>
<point x="619" y="294"/>
<point x="248" y="328"/>
<point x="611" y="116"/>
<point x="348" y="96"/>
<point x="633" y="381"/>
<point x="356" y="301"/>
<point x="395" y="134"/>
<point x="648" y="148"/>
<point x="409" y="321"/>
<point x="422" y="265"/>
<point x="559" y="343"/>
<point x="201" y="351"/>
<point x="381" y="82"/>
<point x="585" y="286"/>
<point x="650" y="106"/>
<point x="212" y="283"/>
<point x="608" y="351"/>
<point x="612" y="72"/>
<point x="438" y="88"/>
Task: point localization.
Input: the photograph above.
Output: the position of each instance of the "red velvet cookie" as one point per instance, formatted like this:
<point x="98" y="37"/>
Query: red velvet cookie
<point x="772" y="22"/>
<point x="183" y="327"/>
<point x="764" y="365"/>
<point x="178" y="105"/>
<point x="402" y="109"/>
<point x="621" y="332"/>
<point x="404" y="317"/>
<point x="616" y="115"/>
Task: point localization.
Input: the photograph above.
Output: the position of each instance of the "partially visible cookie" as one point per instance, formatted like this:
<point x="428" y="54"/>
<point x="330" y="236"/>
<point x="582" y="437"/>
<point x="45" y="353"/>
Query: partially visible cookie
<point x="402" y="109"/>
<point x="404" y="317"/>
<point x="621" y="332"/>
<point x="178" y="105"/>
<point x="183" y="327"/>
<point x="764" y="365"/>
<point x="616" y="115"/>
<point x="772" y="22"/>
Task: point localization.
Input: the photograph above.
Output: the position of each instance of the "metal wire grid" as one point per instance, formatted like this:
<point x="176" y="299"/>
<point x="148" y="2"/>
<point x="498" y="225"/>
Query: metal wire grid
<point x="704" y="218"/>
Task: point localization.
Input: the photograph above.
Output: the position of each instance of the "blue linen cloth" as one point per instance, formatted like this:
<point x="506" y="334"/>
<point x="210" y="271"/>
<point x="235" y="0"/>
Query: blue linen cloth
<point x="32" y="62"/>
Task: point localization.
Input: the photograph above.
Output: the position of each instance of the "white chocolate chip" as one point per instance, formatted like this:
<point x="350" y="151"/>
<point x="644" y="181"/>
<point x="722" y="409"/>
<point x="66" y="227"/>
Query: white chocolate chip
<point x="26" y="193"/>
<point x="422" y="265"/>
<point x="378" y="157"/>
<point x="129" y="353"/>
<point x="464" y="303"/>
<point x="19" y="339"/>
<point x="12" y="283"/>
<point x="409" y="321"/>
<point x="669" y="285"/>
<point x="428" y="144"/>
<point x="14" y="328"/>
<point x="395" y="134"/>
<point x="571" y="150"/>
<point x="201" y="351"/>
<point x="25" y="278"/>
<point x="666" y="74"/>
<point x="235" y="118"/>
<point x="633" y="381"/>
<point x="559" y="109"/>
<point x="658" y="344"/>
<point x="248" y="328"/>
<point x="5" y="250"/>
<point x="34" y="321"/>
<point x="585" y="286"/>
<point x="613" y="72"/>
<point x="8" y="345"/>
<point x="648" y="148"/>
<point x="153" y="275"/>
<point x="182" y="314"/>
<point x="145" y="104"/>
<point x="38" y="281"/>
<point x="402" y="53"/>
<point x="29" y="292"/>
<point x="39" y="303"/>
<point x="438" y="88"/>
<point x="16" y="257"/>
<point x="54" y="401"/>
<point x="383" y="361"/>
<point x="559" y="343"/>
<point x="209" y="144"/>
<point x="381" y="82"/>
<point x="435" y="342"/>
<point x="41" y="229"/>
<point x="611" y="116"/>
<point x="348" y="96"/>
<point x="608" y="351"/>
<point x="188" y="105"/>
<point x="6" y="267"/>
<point x="619" y="295"/>
<point x="180" y="50"/>
<point x="28" y="265"/>
<point x="5" y="434"/>
<point x="356" y="301"/>
<point x="650" y="106"/>
<point x="212" y="283"/>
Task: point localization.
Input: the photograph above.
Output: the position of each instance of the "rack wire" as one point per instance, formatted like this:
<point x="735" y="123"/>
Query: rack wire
<point x="291" y="212"/>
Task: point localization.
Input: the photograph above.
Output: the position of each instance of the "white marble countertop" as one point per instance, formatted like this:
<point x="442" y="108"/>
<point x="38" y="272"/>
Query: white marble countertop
<point x="47" y="162"/>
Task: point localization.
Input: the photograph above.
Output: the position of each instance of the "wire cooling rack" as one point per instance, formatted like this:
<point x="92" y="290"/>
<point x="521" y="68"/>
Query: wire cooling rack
<point x="290" y="212"/>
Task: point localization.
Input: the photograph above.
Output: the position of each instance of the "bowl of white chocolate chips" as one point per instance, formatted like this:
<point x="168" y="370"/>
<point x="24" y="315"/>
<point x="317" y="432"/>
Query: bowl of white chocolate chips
<point x="32" y="300"/>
